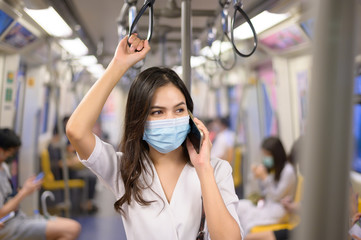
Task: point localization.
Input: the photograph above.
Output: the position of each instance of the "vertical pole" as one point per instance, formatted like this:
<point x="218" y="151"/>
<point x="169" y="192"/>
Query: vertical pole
<point x="186" y="42"/>
<point x="163" y="48"/>
<point x="328" y="138"/>
<point x="55" y="95"/>
<point x="132" y="14"/>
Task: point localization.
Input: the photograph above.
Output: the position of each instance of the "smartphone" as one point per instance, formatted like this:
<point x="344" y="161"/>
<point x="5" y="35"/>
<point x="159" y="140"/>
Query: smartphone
<point x="195" y="135"/>
<point x="39" y="177"/>
<point x="356" y="229"/>
<point x="7" y="217"/>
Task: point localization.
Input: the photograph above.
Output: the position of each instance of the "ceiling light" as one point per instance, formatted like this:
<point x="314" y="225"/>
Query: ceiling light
<point x="197" y="61"/>
<point x="74" y="46"/>
<point x="217" y="46"/>
<point x="50" y="21"/>
<point x="261" y="22"/>
<point x="215" y="49"/>
<point x="97" y="70"/>
<point x="178" y="70"/>
<point x="88" y="60"/>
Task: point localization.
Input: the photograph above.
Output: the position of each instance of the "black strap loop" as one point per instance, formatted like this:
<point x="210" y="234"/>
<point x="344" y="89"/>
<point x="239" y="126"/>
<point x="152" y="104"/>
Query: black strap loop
<point x="147" y="3"/>
<point x="238" y="8"/>
<point x="224" y="21"/>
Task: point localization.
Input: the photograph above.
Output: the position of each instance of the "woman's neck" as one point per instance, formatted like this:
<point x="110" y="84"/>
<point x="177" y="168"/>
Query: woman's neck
<point x="173" y="157"/>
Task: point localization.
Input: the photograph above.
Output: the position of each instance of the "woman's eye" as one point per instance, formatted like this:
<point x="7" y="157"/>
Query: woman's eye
<point x="156" y="112"/>
<point x="180" y="110"/>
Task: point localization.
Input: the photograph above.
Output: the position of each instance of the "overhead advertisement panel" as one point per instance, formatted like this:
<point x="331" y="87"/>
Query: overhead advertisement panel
<point x="5" y="21"/>
<point x="19" y="36"/>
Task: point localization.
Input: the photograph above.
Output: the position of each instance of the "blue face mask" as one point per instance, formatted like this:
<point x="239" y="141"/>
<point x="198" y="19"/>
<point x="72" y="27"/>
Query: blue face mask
<point x="168" y="134"/>
<point x="268" y="161"/>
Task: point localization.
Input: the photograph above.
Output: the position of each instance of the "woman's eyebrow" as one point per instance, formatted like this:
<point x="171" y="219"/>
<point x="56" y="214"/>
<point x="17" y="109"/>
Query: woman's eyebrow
<point x="179" y="104"/>
<point x="160" y="107"/>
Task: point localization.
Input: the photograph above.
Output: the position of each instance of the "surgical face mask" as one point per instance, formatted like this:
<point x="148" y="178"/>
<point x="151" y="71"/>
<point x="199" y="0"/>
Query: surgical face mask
<point x="268" y="162"/>
<point x="168" y="134"/>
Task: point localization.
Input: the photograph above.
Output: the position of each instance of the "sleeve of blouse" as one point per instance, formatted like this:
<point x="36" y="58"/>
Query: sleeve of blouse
<point x="224" y="180"/>
<point x="104" y="162"/>
<point x="278" y="191"/>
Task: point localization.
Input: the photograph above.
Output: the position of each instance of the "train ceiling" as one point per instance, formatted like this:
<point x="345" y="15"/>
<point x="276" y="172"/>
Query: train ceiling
<point x="97" y="21"/>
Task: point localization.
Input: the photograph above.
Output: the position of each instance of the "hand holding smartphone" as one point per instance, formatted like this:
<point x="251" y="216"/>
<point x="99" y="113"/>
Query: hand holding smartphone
<point x="39" y="177"/>
<point x="355" y="230"/>
<point x="7" y="217"/>
<point x="195" y="135"/>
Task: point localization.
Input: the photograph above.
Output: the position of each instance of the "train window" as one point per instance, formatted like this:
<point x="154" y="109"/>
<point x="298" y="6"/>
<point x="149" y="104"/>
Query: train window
<point x="19" y="36"/>
<point x="358" y="85"/>
<point x="307" y="26"/>
<point x="266" y="74"/>
<point x="5" y="21"/>
<point x="45" y="112"/>
<point x="356" y="164"/>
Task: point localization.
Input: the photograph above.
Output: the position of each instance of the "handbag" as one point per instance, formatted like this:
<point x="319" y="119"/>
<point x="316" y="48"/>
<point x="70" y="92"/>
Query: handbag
<point x="200" y="235"/>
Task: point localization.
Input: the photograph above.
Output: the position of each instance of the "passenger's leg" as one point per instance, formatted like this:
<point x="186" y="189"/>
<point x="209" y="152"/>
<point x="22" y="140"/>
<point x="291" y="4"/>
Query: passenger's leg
<point x="90" y="207"/>
<point x="62" y="229"/>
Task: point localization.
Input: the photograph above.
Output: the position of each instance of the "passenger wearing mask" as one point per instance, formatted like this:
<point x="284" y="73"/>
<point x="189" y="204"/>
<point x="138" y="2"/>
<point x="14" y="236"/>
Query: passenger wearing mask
<point x="20" y="226"/>
<point x="277" y="179"/>
<point x="287" y="202"/>
<point x="160" y="182"/>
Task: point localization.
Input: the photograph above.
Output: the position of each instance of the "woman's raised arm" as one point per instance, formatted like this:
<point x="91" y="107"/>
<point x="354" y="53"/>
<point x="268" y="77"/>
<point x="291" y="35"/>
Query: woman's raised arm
<point x="80" y="125"/>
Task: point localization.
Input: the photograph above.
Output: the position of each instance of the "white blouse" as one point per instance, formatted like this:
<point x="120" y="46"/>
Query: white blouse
<point x="179" y="219"/>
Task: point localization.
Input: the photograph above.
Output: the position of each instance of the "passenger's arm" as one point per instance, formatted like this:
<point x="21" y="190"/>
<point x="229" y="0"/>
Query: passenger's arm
<point x="29" y="187"/>
<point x="278" y="191"/>
<point x="221" y="224"/>
<point x="80" y="125"/>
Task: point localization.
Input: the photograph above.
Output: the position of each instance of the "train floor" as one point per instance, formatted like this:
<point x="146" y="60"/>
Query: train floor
<point x="105" y="223"/>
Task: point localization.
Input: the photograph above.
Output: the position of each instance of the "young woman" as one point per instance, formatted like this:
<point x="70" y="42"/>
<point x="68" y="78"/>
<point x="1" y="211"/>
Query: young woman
<point x="277" y="179"/>
<point x="158" y="179"/>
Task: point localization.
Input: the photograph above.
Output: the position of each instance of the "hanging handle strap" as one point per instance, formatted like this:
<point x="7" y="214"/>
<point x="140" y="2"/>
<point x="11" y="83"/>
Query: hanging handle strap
<point x="147" y="4"/>
<point x="225" y="27"/>
<point x="238" y="8"/>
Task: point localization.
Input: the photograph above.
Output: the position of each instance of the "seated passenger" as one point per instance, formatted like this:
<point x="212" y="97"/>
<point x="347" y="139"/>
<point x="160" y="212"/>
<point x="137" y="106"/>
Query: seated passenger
<point x="290" y="206"/>
<point x="277" y="179"/>
<point x="22" y="226"/>
<point x="293" y="207"/>
<point x="285" y="234"/>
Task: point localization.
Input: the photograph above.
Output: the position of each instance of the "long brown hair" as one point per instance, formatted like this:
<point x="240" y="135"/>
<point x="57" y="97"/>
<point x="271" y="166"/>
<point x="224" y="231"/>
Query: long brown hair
<point x="135" y="150"/>
<point x="275" y="147"/>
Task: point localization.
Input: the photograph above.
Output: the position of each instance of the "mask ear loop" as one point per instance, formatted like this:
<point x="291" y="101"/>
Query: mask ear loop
<point x="238" y="8"/>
